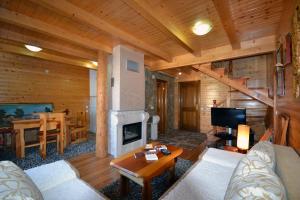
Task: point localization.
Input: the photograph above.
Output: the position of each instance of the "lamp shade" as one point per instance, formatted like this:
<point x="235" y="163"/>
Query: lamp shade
<point x="243" y="137"/>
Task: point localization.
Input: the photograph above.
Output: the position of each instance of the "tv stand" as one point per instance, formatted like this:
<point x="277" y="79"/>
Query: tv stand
<point x="225" y="136"/>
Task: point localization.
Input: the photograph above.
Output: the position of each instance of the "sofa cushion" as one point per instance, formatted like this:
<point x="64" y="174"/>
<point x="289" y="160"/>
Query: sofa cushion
<point x="254" y="179"/>
<point x="74" y="189"/>
<point x="287" y="168"/>
<point x="15" y="184"/>
<point x="221" y="157"/>
<point x="204" y="181"/>
<point x="264" y="150"/>
<point x="52" y="174"/>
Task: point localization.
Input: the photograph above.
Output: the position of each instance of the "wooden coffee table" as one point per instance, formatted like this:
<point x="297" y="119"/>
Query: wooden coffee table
<point x="142" y="171"/>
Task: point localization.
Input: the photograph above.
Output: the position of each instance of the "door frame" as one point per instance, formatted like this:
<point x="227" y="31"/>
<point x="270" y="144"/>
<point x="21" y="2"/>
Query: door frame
<point x="165" y="103"/>
<point x="198" y="103"/>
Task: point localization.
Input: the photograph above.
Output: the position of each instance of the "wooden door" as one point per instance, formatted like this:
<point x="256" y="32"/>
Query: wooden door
<point x="161" y="102"/>
<point x="189" y="105"/>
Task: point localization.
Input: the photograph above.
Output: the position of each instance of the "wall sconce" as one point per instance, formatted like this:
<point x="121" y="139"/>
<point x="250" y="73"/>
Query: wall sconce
<point x="243" y="137"/>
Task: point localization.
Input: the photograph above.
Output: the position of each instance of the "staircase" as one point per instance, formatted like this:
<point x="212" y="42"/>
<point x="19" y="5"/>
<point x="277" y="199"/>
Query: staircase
<point x="238" y="84"/>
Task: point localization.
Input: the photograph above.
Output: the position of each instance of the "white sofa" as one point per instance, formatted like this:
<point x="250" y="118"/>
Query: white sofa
<point x="209" y="177"/>
<point x="57" y="180"/>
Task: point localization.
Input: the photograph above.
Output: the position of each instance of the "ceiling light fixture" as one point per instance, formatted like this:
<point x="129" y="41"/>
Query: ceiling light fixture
<point x="201" y="28"/>
<point x="179" y="73"/>
<point x="33" y="48"/>
<point x="94" y="63"/>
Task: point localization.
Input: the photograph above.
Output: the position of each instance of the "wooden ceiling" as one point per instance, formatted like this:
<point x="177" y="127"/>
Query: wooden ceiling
<point x="160" y="28"/>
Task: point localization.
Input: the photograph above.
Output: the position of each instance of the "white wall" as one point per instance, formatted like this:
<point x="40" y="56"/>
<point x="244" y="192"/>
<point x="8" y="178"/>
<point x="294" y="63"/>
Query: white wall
<point x="93" y="93"/>
<point x="128" y="92"/>
<point x="93" y="100"/>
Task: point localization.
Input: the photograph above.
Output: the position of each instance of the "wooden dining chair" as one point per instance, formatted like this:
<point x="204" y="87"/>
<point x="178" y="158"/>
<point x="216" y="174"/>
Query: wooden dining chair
<point x="267" y="136"/>
<point x="51" y="130"/>
<point x="79" y="129"/>
<point x="284" y="120"/>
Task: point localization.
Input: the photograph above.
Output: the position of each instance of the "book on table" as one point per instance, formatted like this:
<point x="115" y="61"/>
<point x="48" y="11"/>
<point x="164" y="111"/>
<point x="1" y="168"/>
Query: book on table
<point x="151" y="156"/>
<point x="139" y="155"/>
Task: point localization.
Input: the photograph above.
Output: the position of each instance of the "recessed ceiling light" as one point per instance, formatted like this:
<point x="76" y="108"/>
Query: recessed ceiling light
<point x="179" y="73"/>
<point x="33" y="48"/>
<point x="201" y="28"/>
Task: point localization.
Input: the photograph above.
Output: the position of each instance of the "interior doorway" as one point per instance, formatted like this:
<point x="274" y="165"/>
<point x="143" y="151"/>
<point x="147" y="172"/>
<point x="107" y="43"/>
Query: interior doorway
<point x="161" y="104"/>
<point x="189" y="93"/>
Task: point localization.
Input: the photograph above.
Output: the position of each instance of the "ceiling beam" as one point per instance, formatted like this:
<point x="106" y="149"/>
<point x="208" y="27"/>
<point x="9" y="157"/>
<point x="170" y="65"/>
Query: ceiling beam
<point x="162" y="21"/>
<point x="45" y="44"/>
<point x="68" y="9"/>
<point x="223" y="9"/>
<point x="40" y="26"/>
<point x="10" y="48"/>
<point x="249" y="48"/>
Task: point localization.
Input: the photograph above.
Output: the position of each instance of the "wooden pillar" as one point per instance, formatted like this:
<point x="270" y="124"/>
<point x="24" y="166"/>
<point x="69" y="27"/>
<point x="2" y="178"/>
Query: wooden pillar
<point x="102" y="108"/>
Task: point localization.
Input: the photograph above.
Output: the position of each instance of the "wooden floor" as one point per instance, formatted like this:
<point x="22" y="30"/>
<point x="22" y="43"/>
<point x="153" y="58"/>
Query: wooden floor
<point x="98" y="173"/>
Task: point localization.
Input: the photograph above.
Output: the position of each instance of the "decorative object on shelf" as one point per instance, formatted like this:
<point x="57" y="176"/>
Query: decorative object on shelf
<point x="243" y="137"/>
<point x="279" y="59"/>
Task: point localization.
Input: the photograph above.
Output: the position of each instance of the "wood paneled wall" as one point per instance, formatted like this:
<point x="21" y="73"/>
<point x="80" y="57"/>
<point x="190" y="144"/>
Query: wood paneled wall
<point x="30" y="80"/>
<point x="210" y="89"/>
<point x="289" y="104"/>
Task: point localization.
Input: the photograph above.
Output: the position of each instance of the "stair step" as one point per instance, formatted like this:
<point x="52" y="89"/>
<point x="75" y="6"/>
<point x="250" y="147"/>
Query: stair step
<point x="220" y="71"/>
<point x="262" y="91"/>
<point x="241" y="80"/>
<point x="206" y="69"/>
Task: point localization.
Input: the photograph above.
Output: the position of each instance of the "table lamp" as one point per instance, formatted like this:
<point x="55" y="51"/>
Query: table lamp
<point x="243" y="137"/>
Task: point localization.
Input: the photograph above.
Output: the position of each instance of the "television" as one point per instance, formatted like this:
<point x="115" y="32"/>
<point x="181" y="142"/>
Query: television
<point x="228" y="117"/>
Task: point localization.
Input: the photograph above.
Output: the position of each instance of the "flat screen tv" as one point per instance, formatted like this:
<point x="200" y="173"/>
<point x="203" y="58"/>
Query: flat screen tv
<point x="228" y="117"/>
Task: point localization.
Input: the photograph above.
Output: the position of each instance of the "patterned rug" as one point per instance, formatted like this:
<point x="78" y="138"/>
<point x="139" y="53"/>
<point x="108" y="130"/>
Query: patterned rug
<point x="159" y="184"/>
<point x="33" y="158"/>
<point x="184" y="139"/>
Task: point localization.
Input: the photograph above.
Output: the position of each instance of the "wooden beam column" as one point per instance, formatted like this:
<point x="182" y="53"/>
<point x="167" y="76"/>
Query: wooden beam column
<point x="102" y="108"/>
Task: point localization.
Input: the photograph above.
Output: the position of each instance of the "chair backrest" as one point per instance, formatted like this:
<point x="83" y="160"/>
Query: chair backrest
<point x="81" y="119"/>
<point x="51" y="121"/>
<point x="267" y="136"/>
<point x="283" y="128"/>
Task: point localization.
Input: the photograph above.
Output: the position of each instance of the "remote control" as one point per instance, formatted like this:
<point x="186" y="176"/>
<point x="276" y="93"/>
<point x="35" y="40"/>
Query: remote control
<point x="165" y="151"/>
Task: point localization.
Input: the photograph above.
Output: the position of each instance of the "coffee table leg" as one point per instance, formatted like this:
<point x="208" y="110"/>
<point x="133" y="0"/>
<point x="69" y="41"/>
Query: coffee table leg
<point x="147" y="190"/>
<point x="123" y="185"/>
<point x="172" y="174"/>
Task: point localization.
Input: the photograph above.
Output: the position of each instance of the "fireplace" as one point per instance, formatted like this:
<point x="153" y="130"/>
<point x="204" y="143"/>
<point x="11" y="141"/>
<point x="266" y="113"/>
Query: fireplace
<point x="132" y="132"/>
<point x="127" y="131"/>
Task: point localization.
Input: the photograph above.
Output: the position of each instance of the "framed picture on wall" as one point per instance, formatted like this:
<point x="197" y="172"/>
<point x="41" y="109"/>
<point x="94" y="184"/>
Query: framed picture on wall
<point x="280" y="76"/>
<point x="288" y="49"/>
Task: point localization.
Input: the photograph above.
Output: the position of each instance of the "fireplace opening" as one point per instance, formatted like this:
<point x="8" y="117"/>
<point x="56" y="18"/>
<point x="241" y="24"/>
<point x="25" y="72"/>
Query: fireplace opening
<point x="132" y="132"/>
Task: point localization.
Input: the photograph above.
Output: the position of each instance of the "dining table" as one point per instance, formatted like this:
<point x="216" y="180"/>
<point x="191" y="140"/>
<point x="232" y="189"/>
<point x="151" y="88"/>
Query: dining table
<point x="20" y="125"/>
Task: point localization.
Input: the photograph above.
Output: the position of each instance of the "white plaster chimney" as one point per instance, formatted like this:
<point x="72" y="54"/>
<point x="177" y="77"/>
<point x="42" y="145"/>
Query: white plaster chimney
<point x="128" y="99"/>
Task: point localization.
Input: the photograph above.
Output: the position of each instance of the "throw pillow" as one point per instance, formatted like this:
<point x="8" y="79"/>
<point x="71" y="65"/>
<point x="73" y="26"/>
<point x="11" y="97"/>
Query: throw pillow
<point x="254" y="179"/>
<point x="264" y="151"/>
<point x="15" y="184"/>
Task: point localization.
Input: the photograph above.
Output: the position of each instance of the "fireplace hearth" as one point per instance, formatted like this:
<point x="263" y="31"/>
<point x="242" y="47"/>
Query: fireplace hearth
<point x="132" y="132"/>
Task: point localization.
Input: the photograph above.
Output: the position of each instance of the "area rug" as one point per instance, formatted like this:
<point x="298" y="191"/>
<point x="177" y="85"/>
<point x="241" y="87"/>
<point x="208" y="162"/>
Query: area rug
<point x="159" y="184"/>
<point x="185" y="139"/>
<point x="33" y="158"/>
